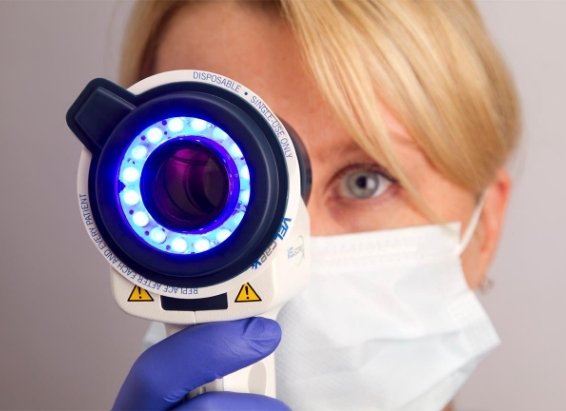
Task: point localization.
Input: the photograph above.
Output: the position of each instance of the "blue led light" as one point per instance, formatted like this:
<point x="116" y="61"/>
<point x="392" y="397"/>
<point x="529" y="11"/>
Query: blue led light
<point x="175" y="124"/>
<point x="132" y="203"/>
<point x="198" y="125"/>
<point x="222" y="235"/>
<point x="202" y="245"/>
<point x="131" y="197"/>
<point x="140" y="218"/>
<point x="130" y="174"/>
<point x="154" y="135"/>
<point x="219" y="135"/>
<point x="158" y="235"/>
<point x="245" y="196"/>
<point x="179" y="245"/>
<point x="235" y="150"/>
<point x="139" y="152"/>
<point x="245" y="172"/>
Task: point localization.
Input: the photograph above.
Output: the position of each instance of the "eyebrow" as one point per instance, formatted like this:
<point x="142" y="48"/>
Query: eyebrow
<point x="335" y="148"/>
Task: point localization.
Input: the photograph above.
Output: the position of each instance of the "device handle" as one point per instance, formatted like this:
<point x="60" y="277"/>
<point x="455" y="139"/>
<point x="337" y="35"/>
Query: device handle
<point x="257" y="378"/>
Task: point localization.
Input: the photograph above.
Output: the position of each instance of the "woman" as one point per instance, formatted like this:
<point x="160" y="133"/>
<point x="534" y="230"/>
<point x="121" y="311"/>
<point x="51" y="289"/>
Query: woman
<point x="408" y="115"/>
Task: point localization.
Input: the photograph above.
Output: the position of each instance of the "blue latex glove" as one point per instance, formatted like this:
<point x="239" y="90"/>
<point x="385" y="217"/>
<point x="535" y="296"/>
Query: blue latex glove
<point x="164" y="374"/>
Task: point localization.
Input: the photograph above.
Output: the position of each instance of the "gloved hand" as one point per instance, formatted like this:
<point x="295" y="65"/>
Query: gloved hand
<point x="164" y="374"/>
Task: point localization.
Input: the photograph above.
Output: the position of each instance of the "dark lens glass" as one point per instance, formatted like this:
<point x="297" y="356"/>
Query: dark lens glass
<point x="185" y="185"/>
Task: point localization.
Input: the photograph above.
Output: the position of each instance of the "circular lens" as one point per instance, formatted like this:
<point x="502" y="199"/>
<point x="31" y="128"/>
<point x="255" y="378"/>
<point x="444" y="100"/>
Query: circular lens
<point x="185" y="185"/>
<point x="188" y="184"/>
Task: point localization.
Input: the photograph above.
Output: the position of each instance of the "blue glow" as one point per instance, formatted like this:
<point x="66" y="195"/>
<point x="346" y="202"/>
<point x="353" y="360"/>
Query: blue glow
<point x="245" y="173"/>
<point x="198" y="124"/>
<point x="131" y="174"/>
<point x="141" y="219"/>
<point x="235" y="150"/>
<point x="234" y="221"/>
<point x="154" y="135"/>
<point x="131" y="197"/>
<point x="219" y="135"/>
<point x="131" y="168"/>
<point x="175" y="124"/>
<point x="244" y="185"/>
<point x="179" y="245"/>
<point x="157" y="235"/>
<point x="202" y="245"/>
<point x="238" y="217"/>
<point x="245" y="196"/>
<point x="222" y="235"/>
<point x="139" y="152"/>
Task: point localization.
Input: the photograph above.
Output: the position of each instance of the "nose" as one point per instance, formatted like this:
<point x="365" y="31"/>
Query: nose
<point x="314" y="211"/>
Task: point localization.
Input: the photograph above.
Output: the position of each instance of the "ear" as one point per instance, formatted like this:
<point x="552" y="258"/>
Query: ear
<point x="491" y="225"/>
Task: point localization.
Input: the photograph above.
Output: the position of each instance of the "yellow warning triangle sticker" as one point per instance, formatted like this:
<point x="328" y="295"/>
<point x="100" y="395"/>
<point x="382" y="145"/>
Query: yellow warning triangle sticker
<point x="139" y="294"/>
<point x="247" y="294"/>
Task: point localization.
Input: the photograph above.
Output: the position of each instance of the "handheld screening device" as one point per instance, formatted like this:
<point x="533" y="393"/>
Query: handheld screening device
<point x="194" y="192"/>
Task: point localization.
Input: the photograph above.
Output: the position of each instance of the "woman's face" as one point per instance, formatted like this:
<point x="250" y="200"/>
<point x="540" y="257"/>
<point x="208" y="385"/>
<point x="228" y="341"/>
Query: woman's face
<point x="350" y="192"/>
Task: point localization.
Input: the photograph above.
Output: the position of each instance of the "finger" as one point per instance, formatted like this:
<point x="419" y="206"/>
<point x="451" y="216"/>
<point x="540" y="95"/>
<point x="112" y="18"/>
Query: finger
<point x="164" y="374"/>
<point x="219" y="401"/>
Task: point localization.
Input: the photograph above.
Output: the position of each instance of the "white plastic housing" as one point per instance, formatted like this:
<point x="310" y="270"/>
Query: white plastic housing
<point x="284" y="265"/>
<point x="283" y="270"/>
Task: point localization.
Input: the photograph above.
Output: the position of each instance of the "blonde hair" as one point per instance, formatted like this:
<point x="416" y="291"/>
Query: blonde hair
<point x="431" y="63"/>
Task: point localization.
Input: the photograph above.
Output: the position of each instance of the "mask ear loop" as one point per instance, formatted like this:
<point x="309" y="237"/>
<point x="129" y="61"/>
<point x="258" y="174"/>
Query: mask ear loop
<point x="472" y="225"/>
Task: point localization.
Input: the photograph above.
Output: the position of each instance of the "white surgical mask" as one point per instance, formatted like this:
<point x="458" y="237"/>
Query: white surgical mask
<point x="387" y="323"/>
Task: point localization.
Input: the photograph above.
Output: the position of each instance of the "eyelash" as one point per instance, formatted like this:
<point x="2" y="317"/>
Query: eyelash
<point x="363" y="167"/>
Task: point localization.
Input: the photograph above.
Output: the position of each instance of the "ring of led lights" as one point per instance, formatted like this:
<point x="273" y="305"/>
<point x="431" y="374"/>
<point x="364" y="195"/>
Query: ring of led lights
<point x="144" y="224"/>
<point x="269" y="184"/>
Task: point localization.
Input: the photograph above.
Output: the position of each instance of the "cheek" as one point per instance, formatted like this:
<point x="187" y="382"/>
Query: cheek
<point x="332" y="216"/>
<point x="323" y="222"/>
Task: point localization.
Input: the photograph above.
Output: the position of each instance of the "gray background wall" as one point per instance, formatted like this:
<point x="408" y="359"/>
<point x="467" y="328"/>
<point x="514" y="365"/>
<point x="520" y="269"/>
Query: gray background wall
<point x="64" y="342"/>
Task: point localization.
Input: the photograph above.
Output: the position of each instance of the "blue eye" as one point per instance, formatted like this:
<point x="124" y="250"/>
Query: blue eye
<point x="361" y="183"/>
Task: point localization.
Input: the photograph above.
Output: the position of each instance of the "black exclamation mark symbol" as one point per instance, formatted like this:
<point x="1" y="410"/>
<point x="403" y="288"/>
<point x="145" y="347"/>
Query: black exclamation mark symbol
<point x="247" y="292"/>
<point x="139" y="293"/>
